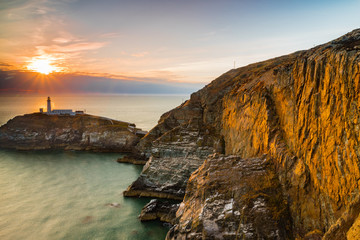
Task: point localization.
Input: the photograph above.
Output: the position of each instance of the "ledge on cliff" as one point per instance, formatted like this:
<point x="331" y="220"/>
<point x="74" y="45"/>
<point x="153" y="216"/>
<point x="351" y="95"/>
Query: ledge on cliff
<point x="163" y="211"/>
<point x="39" y="131"/>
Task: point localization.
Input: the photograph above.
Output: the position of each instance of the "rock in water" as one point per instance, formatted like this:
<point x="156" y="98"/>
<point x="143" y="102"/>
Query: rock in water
<point x="302" y="111"/>
<point x="81" y="132"/>
<point x="113" y="205"/>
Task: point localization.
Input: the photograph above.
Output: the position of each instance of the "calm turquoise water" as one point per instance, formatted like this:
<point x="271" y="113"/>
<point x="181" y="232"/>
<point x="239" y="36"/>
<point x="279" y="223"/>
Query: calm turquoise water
<point x="67" y="195"/>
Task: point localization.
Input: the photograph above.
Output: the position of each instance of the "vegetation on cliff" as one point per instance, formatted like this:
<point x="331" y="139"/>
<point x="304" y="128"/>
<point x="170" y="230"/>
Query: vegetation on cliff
<point x="300" y="112"/>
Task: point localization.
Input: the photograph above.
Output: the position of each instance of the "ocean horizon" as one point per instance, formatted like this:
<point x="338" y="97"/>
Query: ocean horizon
<point x="142" y="109"/>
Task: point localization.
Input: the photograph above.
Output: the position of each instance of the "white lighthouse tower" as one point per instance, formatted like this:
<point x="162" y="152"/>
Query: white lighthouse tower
<point x="48" y="105"/>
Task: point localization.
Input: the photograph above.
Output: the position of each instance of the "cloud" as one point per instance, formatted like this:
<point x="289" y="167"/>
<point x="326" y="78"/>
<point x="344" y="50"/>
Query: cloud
<point x="5" y="64"/>
<point x="18" y="81"/>
<point x="144" y="79"/>
<point x="140" y="54"/>
<point x="61" y="40"/>
<point x="110" y="35"/>
<point x="74" y="47"/>
<point x="22" y="9"/>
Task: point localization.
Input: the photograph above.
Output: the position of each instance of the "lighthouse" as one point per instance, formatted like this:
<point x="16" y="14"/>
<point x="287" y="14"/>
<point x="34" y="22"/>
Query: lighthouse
<point x="59" y="111"/>
<point x="48" y="105"/>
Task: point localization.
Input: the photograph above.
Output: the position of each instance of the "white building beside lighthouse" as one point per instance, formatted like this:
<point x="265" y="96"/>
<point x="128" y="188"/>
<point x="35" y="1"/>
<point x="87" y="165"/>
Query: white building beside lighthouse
<point x="59" y="111"/>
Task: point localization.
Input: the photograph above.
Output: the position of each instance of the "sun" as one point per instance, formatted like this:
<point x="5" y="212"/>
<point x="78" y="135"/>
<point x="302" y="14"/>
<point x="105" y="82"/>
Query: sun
<point x="42" y="65"/>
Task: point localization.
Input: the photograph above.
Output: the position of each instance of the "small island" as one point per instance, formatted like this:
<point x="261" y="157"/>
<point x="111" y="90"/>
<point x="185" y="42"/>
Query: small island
<point x="68" y="130"/>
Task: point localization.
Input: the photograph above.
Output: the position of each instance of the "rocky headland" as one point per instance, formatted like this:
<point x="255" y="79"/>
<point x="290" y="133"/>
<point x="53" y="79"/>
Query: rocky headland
<point x="39" y="131"/>
<point x="266" y="151"/>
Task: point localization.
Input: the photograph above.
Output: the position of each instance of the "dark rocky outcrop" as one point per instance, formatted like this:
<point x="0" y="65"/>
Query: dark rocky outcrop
<point x="300" y="112"/>
<point x="133" y="159"/>
<point x="80" y="132"/>
<point x="164" y="211"/>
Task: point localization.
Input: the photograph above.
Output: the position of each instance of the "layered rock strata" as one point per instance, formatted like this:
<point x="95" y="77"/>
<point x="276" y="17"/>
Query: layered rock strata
<point x="164" y="211"/>
<point x="81" y="132"/>
<point x="303" y="112"/>
<point x="185" y="141"/>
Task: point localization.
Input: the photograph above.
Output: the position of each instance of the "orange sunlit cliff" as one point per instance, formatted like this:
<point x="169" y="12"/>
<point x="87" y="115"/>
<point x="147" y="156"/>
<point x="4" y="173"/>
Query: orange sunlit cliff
<point x="285" y="133"/>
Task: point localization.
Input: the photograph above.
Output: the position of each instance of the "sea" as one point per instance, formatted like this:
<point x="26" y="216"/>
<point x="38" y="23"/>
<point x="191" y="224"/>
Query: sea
<point x="76" y="195"/>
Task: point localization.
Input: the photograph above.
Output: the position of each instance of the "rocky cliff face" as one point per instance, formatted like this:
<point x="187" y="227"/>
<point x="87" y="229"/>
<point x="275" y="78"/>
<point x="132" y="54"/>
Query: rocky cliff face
<point x="81" y="132"/>
<point x="289" y="131"/>
<point x="178" y="145"/>
<point x="233" y="198"/>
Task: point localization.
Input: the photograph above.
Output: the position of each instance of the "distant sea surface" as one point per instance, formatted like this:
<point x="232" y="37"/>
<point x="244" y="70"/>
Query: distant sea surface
<point x="76" y="195"/>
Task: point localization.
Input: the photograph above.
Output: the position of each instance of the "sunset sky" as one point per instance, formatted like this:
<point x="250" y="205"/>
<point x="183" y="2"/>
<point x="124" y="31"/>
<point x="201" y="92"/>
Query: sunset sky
<point x="163" y="41"/>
